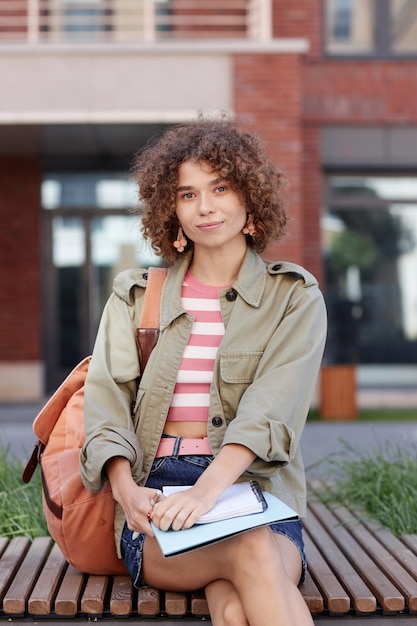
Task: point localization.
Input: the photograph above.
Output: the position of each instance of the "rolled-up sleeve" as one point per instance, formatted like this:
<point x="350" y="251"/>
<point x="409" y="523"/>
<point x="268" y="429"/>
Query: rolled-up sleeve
<point x="272" y="411"/>
<point x="110" y="389"/>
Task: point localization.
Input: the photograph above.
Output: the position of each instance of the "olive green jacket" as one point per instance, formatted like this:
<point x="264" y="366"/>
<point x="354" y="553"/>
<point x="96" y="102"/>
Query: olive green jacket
<point x="264" y="374"/>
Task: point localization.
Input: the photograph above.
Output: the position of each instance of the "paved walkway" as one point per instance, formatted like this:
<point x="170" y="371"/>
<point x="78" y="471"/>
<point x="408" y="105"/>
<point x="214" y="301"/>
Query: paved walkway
<point x="16" y="428"/>
<point x="319" y="440"/>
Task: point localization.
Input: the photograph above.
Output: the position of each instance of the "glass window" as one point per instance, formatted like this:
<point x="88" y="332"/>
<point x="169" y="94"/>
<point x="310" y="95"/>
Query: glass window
<point x="68" y="242"/>
<point x="116" y="245"/>
<point x="93" y="236"/>
<point x="95" y="190"/>
<point x="403" y="25"/>
<point x="83" y="20"/>
<point x="68" y="258"/>
<point x="350" y="26"/>
<point x="370" y="253"/>
<point x="372" y="27"/>
<point x="87" y="253"/>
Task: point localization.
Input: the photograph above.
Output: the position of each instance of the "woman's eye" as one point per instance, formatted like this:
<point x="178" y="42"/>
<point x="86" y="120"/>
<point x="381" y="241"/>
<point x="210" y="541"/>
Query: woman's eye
<point x="188" y="195"/>
<point x="221" y="189"/>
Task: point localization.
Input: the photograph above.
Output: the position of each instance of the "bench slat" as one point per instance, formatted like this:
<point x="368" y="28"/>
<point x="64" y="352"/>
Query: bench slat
<point x="384" y="559"/>
<point x="345" y="571"/>
<point x="14" y="602"/>
<point x="69" y="595"/>
<point x="11" y="560"/>
<point x="337" y="600"/>
<point x="388" y="596"/>
<point x="121" y="597"/>
<point x="396" y="547"/>
<point x="92" y="601"/>
<point x="148" y="601"/>
<point x="410" y="541"/>
<point x="198" y="604"/>
<point x="176" y="604"/>
<point x="312" y="596"/>
<point x="4" y="542"/>
<point x="362" y="598"/>
<point x="41" y="598"/>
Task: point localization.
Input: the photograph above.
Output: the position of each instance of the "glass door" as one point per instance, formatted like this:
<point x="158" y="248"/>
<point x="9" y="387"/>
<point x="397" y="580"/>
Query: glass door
<point x="370" y="257"/>
<point x="86" y="246"/>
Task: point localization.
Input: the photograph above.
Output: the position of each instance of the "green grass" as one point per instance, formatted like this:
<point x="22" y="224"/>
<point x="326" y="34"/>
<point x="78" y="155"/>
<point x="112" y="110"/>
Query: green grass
<point x="21" y="512"/>
<point x="381" y="485"/>
<point x="375" y="415"/>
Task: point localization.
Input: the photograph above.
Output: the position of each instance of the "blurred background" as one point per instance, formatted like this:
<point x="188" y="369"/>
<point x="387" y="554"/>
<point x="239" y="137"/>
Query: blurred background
<point x="331" y="85"/>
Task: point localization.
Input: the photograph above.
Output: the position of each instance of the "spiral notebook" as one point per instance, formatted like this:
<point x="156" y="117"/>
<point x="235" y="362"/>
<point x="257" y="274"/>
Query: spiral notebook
<point x="175" y="542"/>
<point x="239" y="499"/>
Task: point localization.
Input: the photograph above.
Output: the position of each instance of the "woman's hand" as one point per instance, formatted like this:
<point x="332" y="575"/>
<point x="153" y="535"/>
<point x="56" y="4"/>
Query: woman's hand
<point x="136" y="502"/>
<point x="138" y="507"/>
<point x="182" y="509"/>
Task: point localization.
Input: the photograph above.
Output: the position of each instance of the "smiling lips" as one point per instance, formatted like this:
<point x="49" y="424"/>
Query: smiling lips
<point x="209" y="225"/>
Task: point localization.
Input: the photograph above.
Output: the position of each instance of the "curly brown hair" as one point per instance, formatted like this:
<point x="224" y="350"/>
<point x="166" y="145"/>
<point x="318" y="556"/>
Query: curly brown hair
<point x="237" y="155"/>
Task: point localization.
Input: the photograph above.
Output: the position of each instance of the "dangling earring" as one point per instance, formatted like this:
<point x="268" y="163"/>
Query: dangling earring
<point x="181" y="241"/>
<point x="249" y="229"/>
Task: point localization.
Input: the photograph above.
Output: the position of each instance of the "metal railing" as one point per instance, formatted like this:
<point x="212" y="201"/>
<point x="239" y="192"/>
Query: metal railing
<point x="113" y="21"/>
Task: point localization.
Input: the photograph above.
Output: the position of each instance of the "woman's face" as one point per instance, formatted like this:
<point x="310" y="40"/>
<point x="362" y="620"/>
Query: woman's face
<point x="212" y="213"/>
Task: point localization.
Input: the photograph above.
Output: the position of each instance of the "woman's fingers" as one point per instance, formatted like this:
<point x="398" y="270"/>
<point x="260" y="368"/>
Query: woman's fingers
<point x="178" y="511"/>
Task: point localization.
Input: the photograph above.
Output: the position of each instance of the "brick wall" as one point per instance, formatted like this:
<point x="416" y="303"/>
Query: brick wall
<point x="268" y="94"/>
<point x="299" y="18"/>
<point x="20" y="322"/>
<point x="371" y="92"/>
<point x="312" y="201"/>
<point x="346" y="89"/>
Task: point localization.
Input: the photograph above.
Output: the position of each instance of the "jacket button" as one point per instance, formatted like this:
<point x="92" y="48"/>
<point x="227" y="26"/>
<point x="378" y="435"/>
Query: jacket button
<point x="217" y="421"/>
<point x="231" y="295"/>
<point x="276" y="268"/>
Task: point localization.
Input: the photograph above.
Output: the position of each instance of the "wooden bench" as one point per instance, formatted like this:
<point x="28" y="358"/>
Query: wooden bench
<point x="356" y="571"/>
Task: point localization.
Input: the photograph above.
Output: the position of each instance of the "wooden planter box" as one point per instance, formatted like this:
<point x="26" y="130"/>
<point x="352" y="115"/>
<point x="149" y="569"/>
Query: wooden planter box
<point x="338" y="398"/>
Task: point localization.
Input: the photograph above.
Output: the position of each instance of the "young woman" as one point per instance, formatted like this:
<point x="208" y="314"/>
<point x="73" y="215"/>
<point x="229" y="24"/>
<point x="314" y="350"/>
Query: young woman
<point x="225" y="394"/>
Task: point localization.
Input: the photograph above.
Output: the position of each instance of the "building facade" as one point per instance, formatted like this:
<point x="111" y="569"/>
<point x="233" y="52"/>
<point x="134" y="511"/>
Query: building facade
<point x="330" y="85"/>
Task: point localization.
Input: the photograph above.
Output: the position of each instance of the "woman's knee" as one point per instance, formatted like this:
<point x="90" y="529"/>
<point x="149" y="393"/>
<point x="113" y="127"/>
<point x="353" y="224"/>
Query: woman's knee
<point x="256" y="545"/>
<point x="225" y="605"/>
<point x="232" y="614"/>
<point x="257" y="552"/>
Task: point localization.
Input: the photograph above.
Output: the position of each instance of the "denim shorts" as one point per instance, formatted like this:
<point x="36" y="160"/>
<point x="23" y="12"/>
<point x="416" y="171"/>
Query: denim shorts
<point x="185" y="470"/>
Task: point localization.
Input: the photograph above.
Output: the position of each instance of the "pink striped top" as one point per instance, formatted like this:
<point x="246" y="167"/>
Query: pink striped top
<point x="191" y="398"/>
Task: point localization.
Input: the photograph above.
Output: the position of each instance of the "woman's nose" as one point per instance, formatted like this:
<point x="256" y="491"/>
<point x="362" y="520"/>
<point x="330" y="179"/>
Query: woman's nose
<point x="206" y="205"/>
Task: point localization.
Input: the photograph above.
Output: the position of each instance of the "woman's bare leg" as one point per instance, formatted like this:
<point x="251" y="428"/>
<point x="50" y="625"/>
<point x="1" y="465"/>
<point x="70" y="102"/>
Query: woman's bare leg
<point x="223" y="600"/>
<point x="224" y="604"/>
<point x="262" y="567"/>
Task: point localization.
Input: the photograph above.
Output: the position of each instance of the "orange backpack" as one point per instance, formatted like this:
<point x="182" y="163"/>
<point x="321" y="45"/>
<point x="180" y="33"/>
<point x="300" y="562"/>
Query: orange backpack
<point x="81" y="522"/>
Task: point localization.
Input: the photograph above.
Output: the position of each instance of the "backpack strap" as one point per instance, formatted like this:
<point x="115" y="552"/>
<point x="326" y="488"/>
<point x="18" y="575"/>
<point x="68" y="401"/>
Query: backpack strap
<point x="146" y="337"/>
<point x="148" y="331"/>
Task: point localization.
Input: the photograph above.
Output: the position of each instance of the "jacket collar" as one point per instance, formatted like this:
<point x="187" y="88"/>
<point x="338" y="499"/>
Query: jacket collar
<point x="250" y="285"/>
